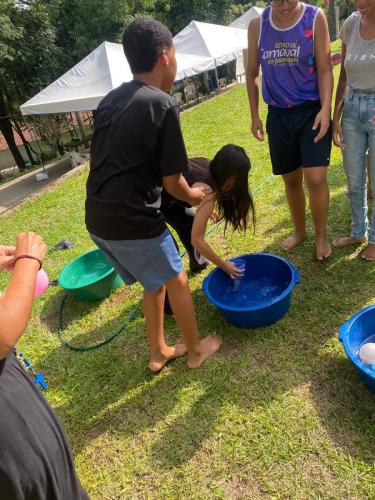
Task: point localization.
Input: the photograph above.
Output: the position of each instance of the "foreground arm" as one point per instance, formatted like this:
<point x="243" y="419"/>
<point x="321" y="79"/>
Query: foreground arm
<point x="198" y="241"/>
<point x="16" y="302"/>
<point x="322" y="49"/>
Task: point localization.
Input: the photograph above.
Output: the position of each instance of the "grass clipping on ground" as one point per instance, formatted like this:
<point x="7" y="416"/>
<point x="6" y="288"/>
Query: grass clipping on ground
<point x="278" y="413"/>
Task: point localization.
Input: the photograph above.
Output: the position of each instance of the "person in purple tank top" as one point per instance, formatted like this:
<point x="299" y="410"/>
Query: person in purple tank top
<point x="290" y="42"/>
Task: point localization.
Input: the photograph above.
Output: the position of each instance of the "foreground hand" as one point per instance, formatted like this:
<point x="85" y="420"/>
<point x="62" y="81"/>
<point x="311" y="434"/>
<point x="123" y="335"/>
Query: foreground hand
<point x="322" y="121"/>
<point x="30" y="244"/>
<point x="232" y="270"/>
<point x="197" y="195"/>
<point x="337" y="135"/>
<point x="257" y="129"/>
<point x="6" y="256"/>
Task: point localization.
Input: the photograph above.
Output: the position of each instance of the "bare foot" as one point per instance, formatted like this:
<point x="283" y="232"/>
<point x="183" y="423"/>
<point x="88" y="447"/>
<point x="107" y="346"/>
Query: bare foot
<point x="323" y="250"/>
<point x="292" y="242"/>
<point x="369" y="252"/>
<point x="206" y="348"/>
<point x="344" y="241"/>
<point x="158" y="362"/>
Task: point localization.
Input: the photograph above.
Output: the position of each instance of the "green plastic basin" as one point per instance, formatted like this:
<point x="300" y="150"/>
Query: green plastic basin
<point x="90" y="276"/>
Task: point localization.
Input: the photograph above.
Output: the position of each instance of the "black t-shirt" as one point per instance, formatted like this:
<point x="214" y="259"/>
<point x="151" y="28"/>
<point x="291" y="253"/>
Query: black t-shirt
<point x="137" y="140"/>
<point x="198" y="171"/>
<point x="35" y="458"/>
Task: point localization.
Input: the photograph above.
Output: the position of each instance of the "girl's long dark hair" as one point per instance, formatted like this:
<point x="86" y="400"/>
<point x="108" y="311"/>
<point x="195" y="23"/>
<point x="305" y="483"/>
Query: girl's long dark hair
<point x="235" y="205"/>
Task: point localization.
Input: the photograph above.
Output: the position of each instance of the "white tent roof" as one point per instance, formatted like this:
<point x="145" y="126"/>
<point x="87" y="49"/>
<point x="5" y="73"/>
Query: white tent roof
<point x="83" y="86"/>
<point x="199" y="47"/>
<point x="219" y="44"/>
<point x="244" y="21"/>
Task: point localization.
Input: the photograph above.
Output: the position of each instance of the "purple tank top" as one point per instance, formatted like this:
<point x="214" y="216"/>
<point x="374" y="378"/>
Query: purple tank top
<point x="287" y="59"/>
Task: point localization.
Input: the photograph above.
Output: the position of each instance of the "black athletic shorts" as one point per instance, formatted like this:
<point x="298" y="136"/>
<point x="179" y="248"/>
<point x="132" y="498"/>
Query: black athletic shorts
<point x="291" y="138"/>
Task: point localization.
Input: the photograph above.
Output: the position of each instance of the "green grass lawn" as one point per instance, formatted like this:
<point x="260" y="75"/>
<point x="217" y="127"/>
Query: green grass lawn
<point x="278" y="413"/>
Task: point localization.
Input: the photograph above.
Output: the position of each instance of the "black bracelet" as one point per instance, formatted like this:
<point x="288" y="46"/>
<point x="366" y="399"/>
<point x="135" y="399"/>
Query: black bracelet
<point x="28" y="257"/>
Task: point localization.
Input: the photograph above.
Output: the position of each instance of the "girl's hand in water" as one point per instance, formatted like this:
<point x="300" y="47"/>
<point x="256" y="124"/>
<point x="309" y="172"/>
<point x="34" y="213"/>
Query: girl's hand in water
<point x="231" y="269"/>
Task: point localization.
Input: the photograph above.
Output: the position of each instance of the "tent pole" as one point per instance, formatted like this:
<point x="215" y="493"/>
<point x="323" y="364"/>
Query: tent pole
<point x="206" y="84"/>
<point x="217" y="77"/>
<point x="81" y="128"/>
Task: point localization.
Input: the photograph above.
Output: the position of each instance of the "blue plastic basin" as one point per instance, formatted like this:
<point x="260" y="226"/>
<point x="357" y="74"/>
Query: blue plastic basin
<point x="352" y="334"/>
<point x="269" y="282"/>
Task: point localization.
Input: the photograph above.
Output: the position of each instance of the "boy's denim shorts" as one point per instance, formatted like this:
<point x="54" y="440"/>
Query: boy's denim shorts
<point x="152" y="262"/>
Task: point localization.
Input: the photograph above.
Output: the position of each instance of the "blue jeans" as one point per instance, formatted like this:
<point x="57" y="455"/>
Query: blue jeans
<point x="358" y="126"/>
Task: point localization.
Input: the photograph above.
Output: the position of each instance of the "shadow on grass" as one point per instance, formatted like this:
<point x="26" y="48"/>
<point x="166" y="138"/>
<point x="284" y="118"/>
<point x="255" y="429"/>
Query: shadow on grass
<point x="280" y="200"/>
<point x="279" y="226"/>
<point x="253" y="368"/>
<point x="329" y="293"/>
<point x="345" y="407"/>
<point x="256" y="367"/>
<point x="73" y="310"/>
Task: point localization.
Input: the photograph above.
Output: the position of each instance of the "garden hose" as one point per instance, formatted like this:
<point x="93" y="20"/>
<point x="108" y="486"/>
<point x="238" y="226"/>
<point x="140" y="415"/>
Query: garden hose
<point x="133" y="311"/>
<point x="92" y="347"/>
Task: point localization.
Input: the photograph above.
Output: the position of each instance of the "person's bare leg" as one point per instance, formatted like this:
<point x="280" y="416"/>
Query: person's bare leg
<point x="184" y="312"/>
<point x="296" y="201"/>
<point x="316" y="180"/>
<point x="160" y="352"/>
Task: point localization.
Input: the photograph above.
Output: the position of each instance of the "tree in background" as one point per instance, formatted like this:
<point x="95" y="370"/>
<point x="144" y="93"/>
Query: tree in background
<point x="337" y="11"/>
<point x="29" y="60"/>
<point x="9" y="34"/>
<point x="176" y="14"/>
<point x="82" y="25"/>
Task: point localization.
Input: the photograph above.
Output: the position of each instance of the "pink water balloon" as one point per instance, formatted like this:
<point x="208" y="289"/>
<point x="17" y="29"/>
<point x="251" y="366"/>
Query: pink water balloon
<point x="42" y="283"/>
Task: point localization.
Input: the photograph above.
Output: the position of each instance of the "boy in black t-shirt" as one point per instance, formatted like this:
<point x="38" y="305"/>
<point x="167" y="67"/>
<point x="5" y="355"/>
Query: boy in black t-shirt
<point x="138" y="149"/>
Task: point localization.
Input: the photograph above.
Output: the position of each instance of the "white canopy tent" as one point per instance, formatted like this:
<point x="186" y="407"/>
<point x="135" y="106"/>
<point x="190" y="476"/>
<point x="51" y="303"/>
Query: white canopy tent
<point x="199" y="47"/>
<point x="243" y="23"/>
<point x="83" y="86"/>
<point x="217" y="44"/>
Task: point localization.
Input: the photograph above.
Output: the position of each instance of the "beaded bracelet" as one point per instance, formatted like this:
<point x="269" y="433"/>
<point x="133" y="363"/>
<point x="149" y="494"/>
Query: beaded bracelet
<point x="28" y="257"/>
